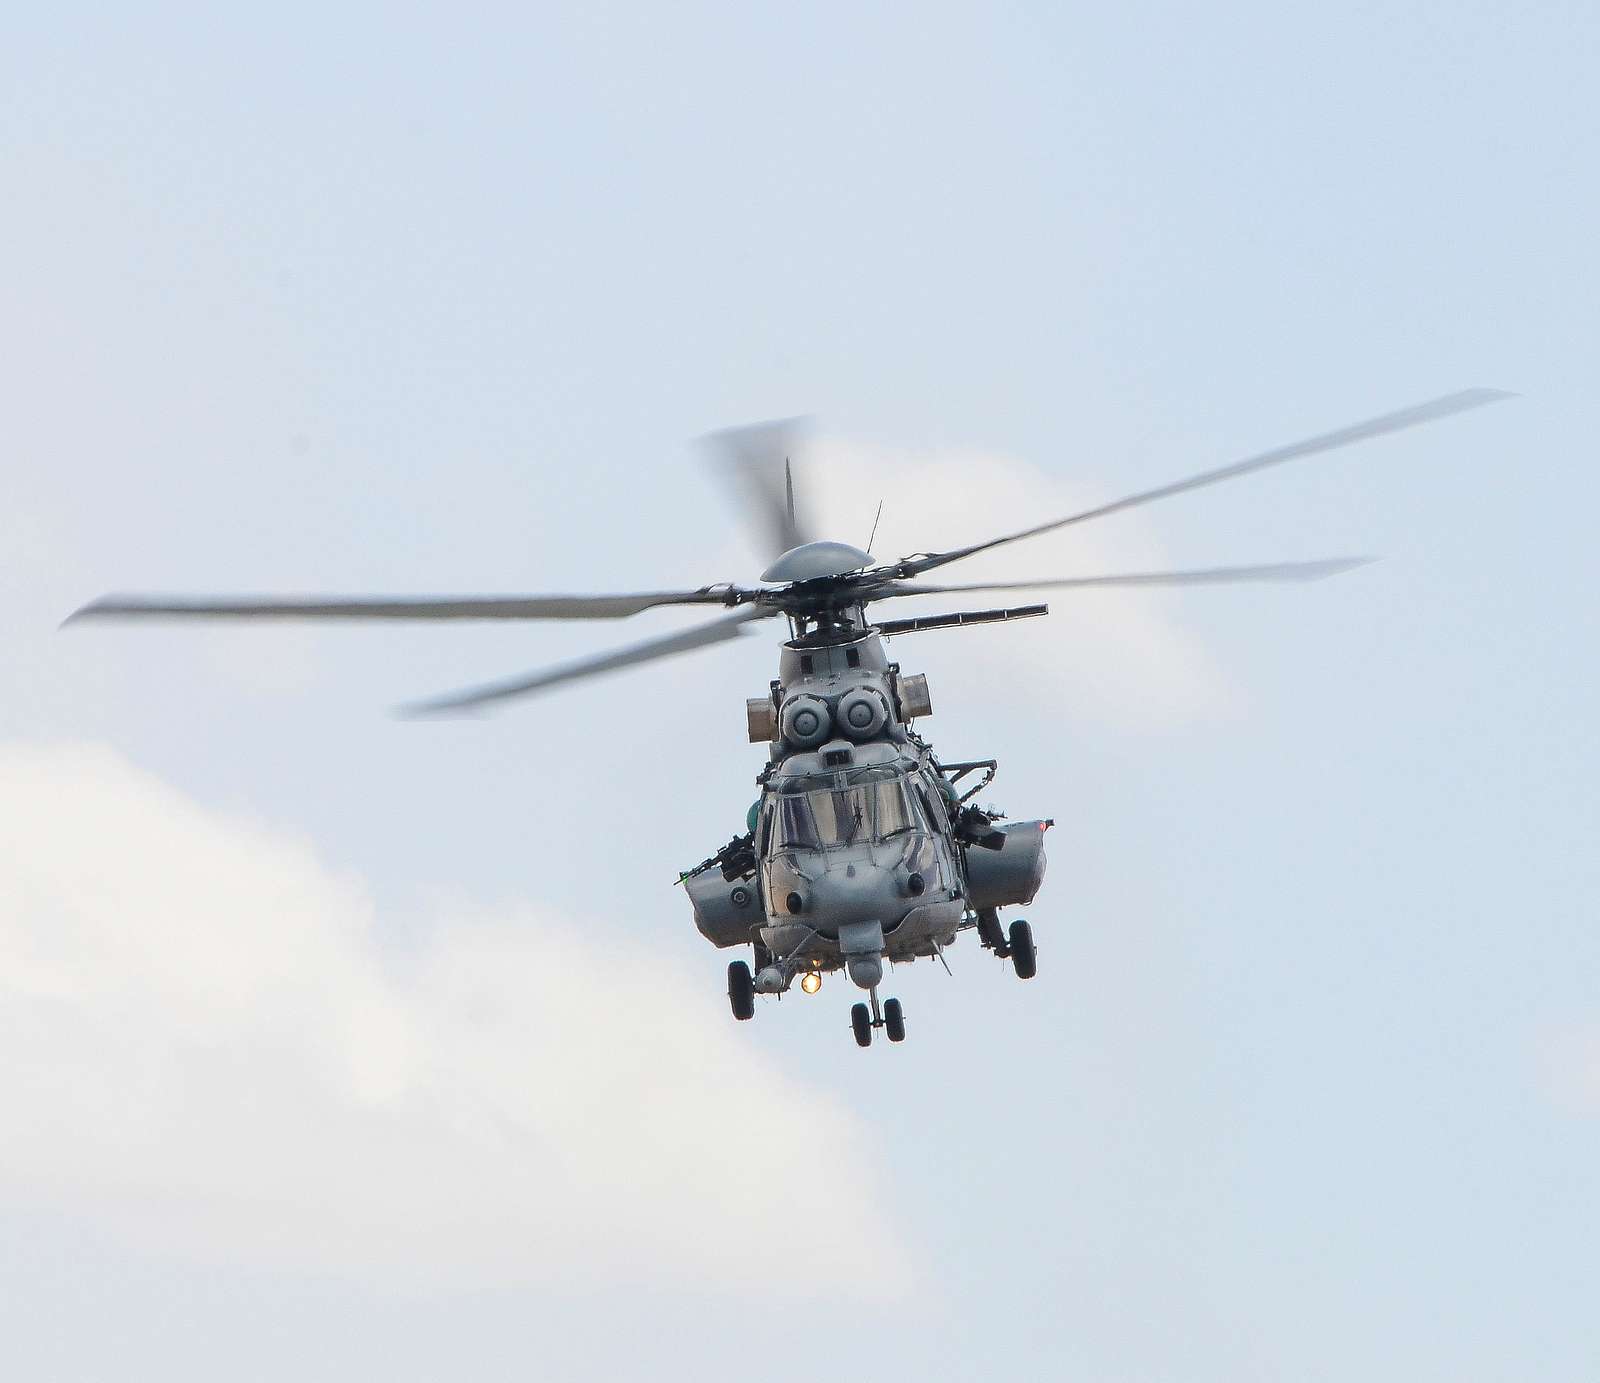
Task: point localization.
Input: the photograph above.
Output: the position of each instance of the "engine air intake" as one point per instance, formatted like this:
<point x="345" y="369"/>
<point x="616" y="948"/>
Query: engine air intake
<point x="806" y="722"/>
<point x="862" y="714"/>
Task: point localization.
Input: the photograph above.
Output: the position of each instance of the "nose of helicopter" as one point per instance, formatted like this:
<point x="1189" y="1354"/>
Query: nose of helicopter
<point x="860" y="890"/>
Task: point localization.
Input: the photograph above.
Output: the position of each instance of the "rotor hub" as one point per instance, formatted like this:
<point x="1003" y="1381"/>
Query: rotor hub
<point x="817" y="561"/>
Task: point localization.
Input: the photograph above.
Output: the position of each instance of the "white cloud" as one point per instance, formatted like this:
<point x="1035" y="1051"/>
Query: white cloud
<point x="204" y="1046"/>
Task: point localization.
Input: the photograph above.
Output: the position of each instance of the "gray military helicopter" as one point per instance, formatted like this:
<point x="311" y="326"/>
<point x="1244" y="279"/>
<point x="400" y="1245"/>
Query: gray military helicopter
<point x="864" y="846"/>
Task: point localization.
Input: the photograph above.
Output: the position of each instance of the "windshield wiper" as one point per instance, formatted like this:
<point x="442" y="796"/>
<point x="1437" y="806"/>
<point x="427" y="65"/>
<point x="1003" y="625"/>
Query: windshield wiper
<point x="855" y="823"/>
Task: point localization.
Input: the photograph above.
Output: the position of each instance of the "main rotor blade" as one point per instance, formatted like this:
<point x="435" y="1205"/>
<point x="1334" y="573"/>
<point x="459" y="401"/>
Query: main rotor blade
<point x="516" y="607"/>
<point x="1358" y="432"/>
<point x="1206" y="576"/>
<point x="666" y="646"/>
<point x="759" y="458"/>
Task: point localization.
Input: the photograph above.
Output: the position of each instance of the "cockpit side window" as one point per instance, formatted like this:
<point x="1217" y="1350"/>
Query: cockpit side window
<point x="796" y="830"/>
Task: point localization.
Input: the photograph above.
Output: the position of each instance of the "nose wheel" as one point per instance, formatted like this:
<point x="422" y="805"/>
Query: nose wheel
<point x="894" y="1021"/>
<point x="861" y="1024"/>
<point x="891" y="1018"/>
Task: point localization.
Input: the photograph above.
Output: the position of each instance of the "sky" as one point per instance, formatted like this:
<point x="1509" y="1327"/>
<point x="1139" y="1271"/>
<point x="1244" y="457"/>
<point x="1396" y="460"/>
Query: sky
<point x="337" y="1045"/>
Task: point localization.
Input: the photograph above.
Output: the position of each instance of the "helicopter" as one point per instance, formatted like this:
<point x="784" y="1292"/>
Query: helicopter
<point x="863" y="847"/>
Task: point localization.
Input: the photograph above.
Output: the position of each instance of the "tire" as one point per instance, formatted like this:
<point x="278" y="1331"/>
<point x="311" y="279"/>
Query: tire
<point x="861" y="1024"/>
<point x="1023" y="959"/>
<point x="741" y="991"/>
<point x="894" y="1020"/>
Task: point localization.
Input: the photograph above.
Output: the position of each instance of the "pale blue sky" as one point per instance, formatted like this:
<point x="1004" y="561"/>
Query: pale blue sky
<point x="377" y="299"/>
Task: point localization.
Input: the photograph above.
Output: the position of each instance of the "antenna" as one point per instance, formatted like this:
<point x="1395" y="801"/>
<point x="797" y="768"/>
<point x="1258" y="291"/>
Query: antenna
<point x="875" y="519"/>
<point x="788" y="488"/>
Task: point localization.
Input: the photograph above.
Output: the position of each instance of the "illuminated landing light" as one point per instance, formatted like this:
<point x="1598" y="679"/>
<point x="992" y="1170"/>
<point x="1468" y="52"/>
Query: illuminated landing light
<point x="811" y="982"/>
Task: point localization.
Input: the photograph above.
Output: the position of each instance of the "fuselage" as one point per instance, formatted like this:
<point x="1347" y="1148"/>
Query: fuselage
<point x="851" y="837"/>
<point x="863" y="839"/>
<point x="855" y="855"/>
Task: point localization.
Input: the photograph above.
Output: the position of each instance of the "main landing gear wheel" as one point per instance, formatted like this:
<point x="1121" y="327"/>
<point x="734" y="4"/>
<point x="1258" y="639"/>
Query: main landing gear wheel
<point x="741" y="991"/>
<point x="861" y="1024"/>
<point x="894" y="1020"/>
<point x="1023" y="959"/>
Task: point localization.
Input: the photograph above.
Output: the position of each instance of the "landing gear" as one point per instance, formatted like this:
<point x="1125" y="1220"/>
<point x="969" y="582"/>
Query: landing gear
<point x="1015" y="945"/>
<point x="861" y="1023"/>
<point x="891" y="1018"/>
<point x="741" y="991"/>
<point x="894" y="1020"/>
<point x="1023" y="959"/>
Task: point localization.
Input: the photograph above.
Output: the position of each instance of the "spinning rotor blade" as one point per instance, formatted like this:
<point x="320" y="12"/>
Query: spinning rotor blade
<point x="759" y="459"/>
<point x="685" y="640"/>
<point x="1208" y="576"/>
<point x="386" y="608"/>
<point x="1358" y="432"/>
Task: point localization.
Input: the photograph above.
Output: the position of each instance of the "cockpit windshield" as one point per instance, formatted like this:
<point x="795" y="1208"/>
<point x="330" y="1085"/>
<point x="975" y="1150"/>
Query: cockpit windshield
<point x="832" y="817"/>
